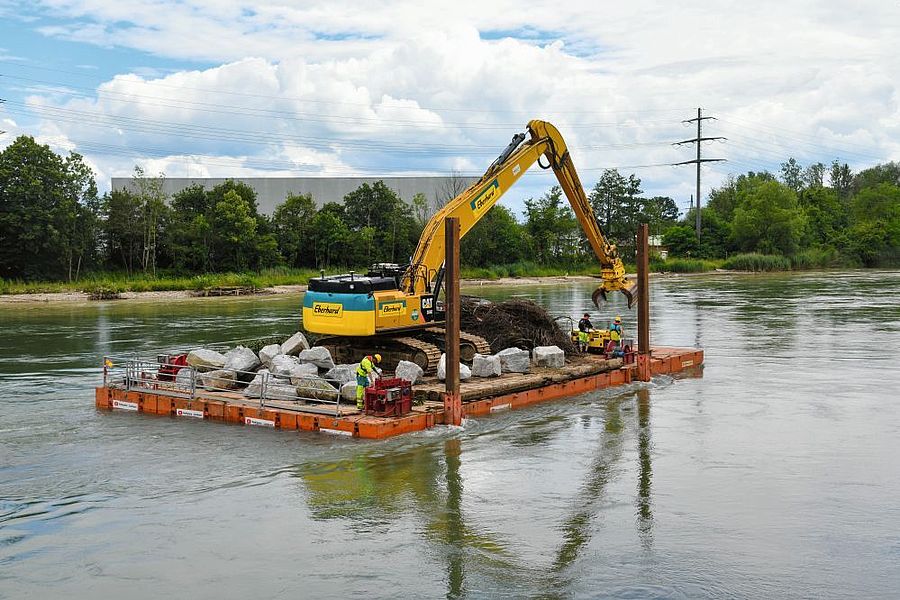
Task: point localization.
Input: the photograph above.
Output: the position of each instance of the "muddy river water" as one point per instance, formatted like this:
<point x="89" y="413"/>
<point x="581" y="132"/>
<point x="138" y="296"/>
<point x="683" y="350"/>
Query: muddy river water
<point x="775" y="474"/>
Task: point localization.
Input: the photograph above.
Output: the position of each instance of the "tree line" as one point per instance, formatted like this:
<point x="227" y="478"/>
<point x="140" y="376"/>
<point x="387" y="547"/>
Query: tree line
<point x="55" y="225"/>
<point x="828" y="216"/>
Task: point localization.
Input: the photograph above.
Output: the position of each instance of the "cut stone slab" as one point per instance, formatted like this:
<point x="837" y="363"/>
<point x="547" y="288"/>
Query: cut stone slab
<point x="276" y="390"/>
<point x="254" y="388"/>
<point x="348" y="392"/>
<point x="295" y="344"/>
<point x="268" y="353"/>
<point x="409" y="371"/>
<point x="514" y="360"/>
<point x="183" y="378"/>
<point x="241" y="359"/>
<point x="549" y="356"/>
<point x="285" y="367"/>
<point x="341" y="374"/>
<point x="315" y="387"/>
<point x="221" y="379"/>
<point x="319" y="356"/>
<point x="486" y="366"/>
<point x="464" y="371"/>
<point x="203" y="359"/>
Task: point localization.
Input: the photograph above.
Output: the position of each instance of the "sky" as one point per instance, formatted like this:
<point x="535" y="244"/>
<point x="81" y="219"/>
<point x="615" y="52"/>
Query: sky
<point x="225" y="88"/>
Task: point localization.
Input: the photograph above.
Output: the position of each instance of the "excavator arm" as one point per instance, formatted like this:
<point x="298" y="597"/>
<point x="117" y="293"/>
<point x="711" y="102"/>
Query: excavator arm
<point x="473" y="203"/>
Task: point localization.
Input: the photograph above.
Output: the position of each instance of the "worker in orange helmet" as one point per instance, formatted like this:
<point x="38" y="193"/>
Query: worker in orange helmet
<point x="364" y="373"/>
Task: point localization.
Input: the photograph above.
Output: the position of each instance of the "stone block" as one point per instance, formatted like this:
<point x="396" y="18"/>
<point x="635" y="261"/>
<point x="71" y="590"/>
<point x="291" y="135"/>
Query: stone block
<point x="549" y="356"/>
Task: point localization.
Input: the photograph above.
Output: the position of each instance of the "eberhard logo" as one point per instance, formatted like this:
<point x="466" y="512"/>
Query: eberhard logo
<point x="486" y="198"/>
<point x="328" y="309"/>
<point x="392" y="309"/>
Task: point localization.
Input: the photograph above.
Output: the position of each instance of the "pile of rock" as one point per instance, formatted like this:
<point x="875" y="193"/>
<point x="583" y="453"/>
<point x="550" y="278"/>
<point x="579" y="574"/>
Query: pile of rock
<point x="516" y="360"/>
<point x="289" y="371"/>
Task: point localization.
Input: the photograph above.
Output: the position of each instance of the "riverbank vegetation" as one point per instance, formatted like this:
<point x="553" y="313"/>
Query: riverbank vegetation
<point x="60" y="234"/>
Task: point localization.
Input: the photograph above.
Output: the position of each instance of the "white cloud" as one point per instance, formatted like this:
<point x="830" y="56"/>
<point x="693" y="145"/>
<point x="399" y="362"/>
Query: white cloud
<point x="327" y="87"/>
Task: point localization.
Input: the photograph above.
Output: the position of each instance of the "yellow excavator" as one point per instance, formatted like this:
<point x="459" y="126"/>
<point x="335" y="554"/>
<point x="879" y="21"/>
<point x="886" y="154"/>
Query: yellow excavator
<point x="393" y="310"/>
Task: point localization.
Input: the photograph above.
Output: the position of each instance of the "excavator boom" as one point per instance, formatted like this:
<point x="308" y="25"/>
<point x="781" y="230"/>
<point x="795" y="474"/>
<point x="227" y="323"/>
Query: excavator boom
<point x="473" y="203"/>
<point x="393" y="310"/>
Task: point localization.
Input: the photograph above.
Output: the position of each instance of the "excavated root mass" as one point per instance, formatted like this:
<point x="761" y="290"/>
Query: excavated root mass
<point x="519" y="323"/>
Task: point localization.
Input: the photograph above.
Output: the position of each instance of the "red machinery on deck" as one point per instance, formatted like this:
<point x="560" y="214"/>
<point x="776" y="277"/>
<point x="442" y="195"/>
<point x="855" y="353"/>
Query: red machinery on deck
<point x="389" y="398"/>
<point x="169" y="365"/>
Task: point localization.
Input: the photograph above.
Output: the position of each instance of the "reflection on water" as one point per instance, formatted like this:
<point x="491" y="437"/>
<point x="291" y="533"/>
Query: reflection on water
<point x="772" y="475"/>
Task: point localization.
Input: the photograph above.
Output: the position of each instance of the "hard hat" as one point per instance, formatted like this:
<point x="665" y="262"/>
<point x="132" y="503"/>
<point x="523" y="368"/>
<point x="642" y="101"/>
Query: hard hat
<point x="378" y="358"/>
<point x="618" y="319"/>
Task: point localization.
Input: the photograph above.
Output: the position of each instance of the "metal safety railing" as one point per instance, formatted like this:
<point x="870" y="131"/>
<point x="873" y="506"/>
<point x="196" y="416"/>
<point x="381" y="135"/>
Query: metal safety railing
<point x="184" y="381"/>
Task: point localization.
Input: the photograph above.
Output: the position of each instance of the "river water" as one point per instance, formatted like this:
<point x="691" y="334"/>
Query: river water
<point x="775" y="474"/>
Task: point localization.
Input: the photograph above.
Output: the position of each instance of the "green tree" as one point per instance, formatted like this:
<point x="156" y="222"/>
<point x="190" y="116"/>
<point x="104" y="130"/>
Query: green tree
<point x="814" y="176"/>
<point x="235" y="228"/>
<point x="681" y="240"/>
<point x="841" y="178"/>
<point x="826" y="215"/>
<point x="871" y="177"/>
<point x="792" y="174"/>
<point x="378" y="208"/>
<point x="724" y="199"/>
<point x="189" y="234"/>
<point x="496" y="239"/>
<point x="551" y="225"/>
<point x="48" y="212"/>
<point x="149" y="191"/>
<point x="292" y="224"/>
<point x="121" y="229"/>
<point x="768" y="219"/>
<point x="331" y="236"/>
<point x="659" y="212"/>
<point x="875" y="230"/>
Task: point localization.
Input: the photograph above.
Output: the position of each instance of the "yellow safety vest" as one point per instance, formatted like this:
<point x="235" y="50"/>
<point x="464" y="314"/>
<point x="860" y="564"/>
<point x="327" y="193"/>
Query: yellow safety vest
<point x="365" y="367"/>
<point x="615" y="332"/>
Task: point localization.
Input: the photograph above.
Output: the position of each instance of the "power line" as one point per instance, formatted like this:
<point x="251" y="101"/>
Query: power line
<point x="221" y="91"/>
<point x="698" y="161"/>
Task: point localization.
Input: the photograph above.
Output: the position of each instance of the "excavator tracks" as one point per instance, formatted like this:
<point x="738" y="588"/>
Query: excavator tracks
<point x="392" y="349"/>
<point x="424" y="349"/>
<point x="469" y="343"/>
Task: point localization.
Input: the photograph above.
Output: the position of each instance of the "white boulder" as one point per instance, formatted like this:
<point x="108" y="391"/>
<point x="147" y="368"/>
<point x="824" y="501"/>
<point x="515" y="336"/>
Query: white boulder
<point x="241" y="359"/>
<point x="409" y="371"/>
<point x="286" y="367"/>
<point x="201" y="358"/>
<point x="254" y="388"/>
<point x="295" y="344"/>
<point x="319" y="356"/>
<point x="183" y="378"/>
<point x="277" y="390"/>
<point x="464" y="371"/>
<point x="221" y="379"/>
<point x="315" y="387"/>
<point x="341" y="374"/>
<point x="268" y="353"/>
<point x="486" y="366"/>
<point x="348" y="392"/>
<point x="514" y="360"/>
<point x="549" y="356"/>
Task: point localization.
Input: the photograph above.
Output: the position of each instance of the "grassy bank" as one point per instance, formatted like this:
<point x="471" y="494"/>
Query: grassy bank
<point x="121" y="282"/>
<point x="526" y="269"/>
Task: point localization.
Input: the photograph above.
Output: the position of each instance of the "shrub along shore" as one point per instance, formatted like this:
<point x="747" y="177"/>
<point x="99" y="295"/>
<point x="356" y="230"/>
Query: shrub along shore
<point x="118" y="283"/>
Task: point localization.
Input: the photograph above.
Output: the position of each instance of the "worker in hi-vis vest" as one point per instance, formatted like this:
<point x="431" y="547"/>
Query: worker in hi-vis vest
<point x="615" y="336"/>
<point x="363" y="372"/>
